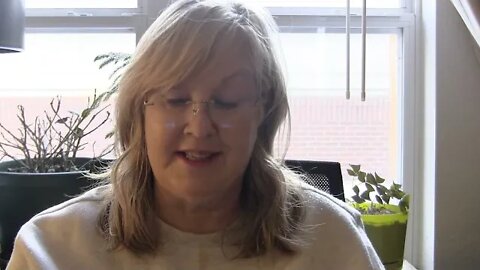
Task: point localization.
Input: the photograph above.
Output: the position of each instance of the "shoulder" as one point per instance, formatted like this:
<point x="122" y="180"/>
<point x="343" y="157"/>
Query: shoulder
<point x="330" y="217"/>
<point x="334" y="233"/>
<point x="82" y="208"/>
<point x="71" y="223"/>
<point x="47" y="239"/>
<point x="73" y="218"/>
<point x="321" y="206"/>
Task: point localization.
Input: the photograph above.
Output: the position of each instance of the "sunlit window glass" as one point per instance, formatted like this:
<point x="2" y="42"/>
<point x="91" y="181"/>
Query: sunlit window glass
<point x="326" y="126"/>
<point x="58" y="64"/>
<point x="81" y="3"/>
<point x="328" y="3"/>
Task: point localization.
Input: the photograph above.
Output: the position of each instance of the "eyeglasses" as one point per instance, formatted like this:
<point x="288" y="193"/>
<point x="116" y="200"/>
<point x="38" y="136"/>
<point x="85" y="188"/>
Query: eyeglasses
<point x="220" y="111"/>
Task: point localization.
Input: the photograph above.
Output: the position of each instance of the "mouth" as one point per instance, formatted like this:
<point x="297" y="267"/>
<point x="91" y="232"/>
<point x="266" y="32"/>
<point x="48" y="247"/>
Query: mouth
<point x="197" y="157"/>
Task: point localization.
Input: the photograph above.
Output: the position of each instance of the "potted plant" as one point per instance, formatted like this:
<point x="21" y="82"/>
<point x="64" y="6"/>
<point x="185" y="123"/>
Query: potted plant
<point x="384" y="214"/>
<point x="39" y="163"/>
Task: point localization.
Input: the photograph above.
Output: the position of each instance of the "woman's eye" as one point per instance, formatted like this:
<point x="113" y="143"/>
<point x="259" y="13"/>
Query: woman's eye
<point x="176" y="102"/>
<point x="225" y="105"/>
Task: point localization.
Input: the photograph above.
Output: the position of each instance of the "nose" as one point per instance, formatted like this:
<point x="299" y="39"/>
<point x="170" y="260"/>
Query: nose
<point x="199" y="123"/>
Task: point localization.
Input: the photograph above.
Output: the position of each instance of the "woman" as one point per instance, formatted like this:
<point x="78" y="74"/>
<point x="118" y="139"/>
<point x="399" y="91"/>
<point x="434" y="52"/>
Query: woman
<point x="195" y="185"/>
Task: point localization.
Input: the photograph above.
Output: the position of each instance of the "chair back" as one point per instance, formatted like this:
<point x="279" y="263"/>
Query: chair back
<point x="324" y="175"/>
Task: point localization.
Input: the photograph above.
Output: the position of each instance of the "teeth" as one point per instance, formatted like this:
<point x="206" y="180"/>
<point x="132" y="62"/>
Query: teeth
<point x="197" y="155"/>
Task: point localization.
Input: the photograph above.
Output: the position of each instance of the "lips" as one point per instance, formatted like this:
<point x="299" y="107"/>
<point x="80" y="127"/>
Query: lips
<point x="198" y="156"/>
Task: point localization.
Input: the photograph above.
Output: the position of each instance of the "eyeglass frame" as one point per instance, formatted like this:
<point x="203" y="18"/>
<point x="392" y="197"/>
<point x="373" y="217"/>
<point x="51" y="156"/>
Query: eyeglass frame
<point x="196" y="109"/>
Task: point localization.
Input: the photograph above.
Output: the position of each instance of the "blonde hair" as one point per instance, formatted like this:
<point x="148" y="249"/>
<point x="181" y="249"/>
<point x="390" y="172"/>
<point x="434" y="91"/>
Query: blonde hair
<point x="178" y="43"/>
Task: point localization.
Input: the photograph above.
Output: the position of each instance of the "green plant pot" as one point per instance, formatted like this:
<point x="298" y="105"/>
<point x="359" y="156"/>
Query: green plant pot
<point x="387" y="234"/>
<point x="22" y="195"/>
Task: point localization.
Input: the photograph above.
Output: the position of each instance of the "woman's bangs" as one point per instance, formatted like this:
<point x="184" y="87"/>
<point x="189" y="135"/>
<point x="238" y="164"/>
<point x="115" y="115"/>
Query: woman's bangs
<point x="190" y="51"/>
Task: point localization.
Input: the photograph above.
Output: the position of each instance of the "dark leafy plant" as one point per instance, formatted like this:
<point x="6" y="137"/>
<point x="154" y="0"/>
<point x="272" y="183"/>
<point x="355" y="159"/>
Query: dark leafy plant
<point x="119" y="62"/>
<point x="371" y="186"/>
<point x="52" y="141"/>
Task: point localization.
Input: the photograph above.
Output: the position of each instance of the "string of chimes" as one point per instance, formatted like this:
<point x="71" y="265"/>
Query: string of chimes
<point x="364" y="48"/>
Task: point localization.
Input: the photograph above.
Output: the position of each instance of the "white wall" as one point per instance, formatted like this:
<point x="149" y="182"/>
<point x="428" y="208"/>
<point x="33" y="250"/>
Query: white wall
<point x="424" y="196"/>
<point x="452" y="85"/>
<point x="457" y="215"/>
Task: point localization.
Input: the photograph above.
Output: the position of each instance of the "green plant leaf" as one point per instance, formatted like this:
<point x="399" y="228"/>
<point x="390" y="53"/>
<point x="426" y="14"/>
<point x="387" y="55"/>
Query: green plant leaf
<point x="361" y="176"/>
<point x="109" y="135"/>
<point x="375" y="183"/>
<point x="397" y="186"/>
<point x="371" y="179"/>
<point x="397" y="194"/>
<point x="383" y="188"/>
<point x="86" y="112"/>
<point x="106" y="62"/>
<point x="62" y="120"/>
<point x="357" y="199"/>
<point x="386" y="199"/>
<point x="404" y="203"/>
<point x="395" y="191"/>
<point x="351" y="172"/>
<point x="101" y="56"/>
<point x="369" y="187"/>
<point x="356" y="190"/>
<point x="78" y="132"/>
<point x="379" y="179"/>
<point x="355" y="168"/>
<point x="380" y="191"/>
<point x="365" y="195"/>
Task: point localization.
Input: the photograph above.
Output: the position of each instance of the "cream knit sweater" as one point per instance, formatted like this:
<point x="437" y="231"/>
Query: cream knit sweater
<point x="65" y="237"/>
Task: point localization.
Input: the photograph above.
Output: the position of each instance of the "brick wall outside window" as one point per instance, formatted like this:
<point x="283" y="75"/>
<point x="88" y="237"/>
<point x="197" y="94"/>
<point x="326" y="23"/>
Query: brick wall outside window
<point x="323" y="128"/>
<point x="348" y="131"/>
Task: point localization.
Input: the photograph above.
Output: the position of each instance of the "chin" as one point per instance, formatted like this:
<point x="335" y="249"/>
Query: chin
<point x="205" y="186"/>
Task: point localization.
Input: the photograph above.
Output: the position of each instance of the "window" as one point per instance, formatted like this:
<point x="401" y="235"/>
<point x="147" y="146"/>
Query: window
<point x="60" y="62"/>
<point x="64" y="36"/>
<point x="326" y="126"/>
<point x="81" y="3"/>
<point x="60" y="46"/>
<point x="329" y="3"/>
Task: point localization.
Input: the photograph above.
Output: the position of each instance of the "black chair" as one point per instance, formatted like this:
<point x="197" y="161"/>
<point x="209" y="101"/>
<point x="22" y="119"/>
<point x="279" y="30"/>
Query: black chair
<point x="324" y="175"/>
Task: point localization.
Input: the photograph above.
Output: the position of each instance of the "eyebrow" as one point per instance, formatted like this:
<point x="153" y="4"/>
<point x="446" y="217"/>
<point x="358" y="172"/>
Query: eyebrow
<point x="241" y="72"/>
<point x="245" y="72"/>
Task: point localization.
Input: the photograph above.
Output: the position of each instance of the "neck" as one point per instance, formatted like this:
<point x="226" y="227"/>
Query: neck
<point x="198" y="215"/>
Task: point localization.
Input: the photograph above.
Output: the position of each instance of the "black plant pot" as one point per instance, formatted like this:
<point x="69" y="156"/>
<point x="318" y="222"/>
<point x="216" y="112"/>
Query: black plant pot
<point x="22" y="195"/>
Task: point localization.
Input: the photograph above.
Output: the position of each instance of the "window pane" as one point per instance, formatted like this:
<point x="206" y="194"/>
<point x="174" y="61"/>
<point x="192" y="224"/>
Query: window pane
<point x="58" y="64"/>
<point x="326" y="126"/>
<point x="329" y="3"/>
<point x="81" y="3"/>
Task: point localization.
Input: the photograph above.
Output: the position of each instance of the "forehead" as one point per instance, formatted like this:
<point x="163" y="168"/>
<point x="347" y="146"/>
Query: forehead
<point x="230" y="60"/>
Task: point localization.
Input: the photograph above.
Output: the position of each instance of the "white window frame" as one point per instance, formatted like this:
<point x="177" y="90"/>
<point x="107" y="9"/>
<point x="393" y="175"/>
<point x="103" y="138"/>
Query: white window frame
<point x="138" y="19"/>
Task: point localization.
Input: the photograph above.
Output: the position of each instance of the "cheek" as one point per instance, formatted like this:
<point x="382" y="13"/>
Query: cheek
<point x="226" y="126"/>
<point x="155" y="126"/>
<point x="160" y="137"/>
<point x="240" y="137"/>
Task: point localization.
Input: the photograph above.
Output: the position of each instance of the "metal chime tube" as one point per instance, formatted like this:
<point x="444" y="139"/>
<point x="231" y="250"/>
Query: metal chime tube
<point x="347" y="30"/>
<point x="364" y="46"/>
